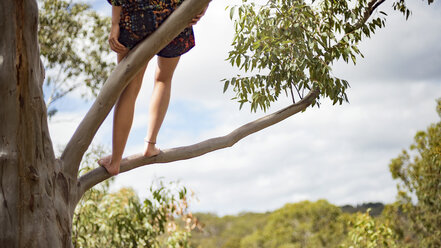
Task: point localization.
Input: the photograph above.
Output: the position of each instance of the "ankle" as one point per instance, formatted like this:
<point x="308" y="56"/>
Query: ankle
<point x="149" y="141"/>
<point x="115" y="161"/>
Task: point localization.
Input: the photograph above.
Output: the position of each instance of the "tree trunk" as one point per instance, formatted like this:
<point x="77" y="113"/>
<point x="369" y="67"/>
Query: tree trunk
<point x="34" y="195"/>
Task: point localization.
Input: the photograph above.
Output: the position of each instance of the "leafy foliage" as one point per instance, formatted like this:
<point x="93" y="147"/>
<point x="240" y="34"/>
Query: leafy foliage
<point x="120" y="219"/>
<point x="420" y="179"/>
<point x="74" y="48"/>
<point x="366" y="232"/>
<point x="287" y="45"/>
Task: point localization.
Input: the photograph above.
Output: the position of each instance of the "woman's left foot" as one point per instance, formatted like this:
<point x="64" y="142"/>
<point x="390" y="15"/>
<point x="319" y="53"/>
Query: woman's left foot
<point x="111" y="168"/>
<point x="105" y="161"/>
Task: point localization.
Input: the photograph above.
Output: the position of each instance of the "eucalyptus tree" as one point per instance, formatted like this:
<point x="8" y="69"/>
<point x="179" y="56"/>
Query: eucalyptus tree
<point x="39" y="192"/>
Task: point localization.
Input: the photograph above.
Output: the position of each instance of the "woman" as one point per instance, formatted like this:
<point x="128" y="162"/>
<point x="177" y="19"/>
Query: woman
<point x="132" y="21"/>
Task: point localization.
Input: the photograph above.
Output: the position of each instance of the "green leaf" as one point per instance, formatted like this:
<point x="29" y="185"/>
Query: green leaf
<point x="232" y="10"/>
<point x="226" y="86"/>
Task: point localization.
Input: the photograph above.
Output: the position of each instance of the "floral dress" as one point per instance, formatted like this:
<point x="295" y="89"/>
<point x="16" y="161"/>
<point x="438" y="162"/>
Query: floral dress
<point x="140" y="18"/>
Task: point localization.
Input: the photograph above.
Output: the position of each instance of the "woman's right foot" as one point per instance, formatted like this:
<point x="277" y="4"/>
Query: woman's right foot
<point x="150" y="150"/>
<point x="107" y="163"/>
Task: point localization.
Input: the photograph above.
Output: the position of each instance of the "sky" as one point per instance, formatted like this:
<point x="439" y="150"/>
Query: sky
<point x="336" y="152"/>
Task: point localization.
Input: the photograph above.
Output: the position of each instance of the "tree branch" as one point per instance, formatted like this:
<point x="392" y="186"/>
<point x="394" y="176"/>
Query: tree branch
<point x="99" y="174"/>
<point x="120" y="77"/>
<point x="376" y="5"/>
<point x="372" y="5"/>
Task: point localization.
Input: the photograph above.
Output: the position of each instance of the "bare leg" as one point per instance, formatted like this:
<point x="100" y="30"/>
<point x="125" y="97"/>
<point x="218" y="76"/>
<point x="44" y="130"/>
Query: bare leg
<point x="122" y="121"/>
<point x="159" y="101"/>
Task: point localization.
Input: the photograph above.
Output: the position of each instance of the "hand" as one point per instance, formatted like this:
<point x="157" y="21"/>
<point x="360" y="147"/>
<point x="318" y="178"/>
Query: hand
<point x="197" y="18"/>
<point x="115" y="45"/>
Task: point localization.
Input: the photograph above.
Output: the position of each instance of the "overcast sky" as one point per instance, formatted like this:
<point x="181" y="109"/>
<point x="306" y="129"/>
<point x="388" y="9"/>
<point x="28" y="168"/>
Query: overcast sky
<point x="339" y="153"/>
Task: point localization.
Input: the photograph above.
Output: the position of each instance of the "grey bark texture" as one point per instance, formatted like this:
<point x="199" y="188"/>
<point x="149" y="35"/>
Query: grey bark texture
<point x="34" y="193"/>
<point x="38" y="192"/>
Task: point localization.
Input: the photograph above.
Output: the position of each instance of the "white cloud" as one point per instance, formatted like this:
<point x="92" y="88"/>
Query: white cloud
<point x="403" y="50"/>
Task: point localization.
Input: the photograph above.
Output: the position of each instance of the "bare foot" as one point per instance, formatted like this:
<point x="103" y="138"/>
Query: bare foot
<point x="105" y="160"/>
<point x="150" y="150"/>
<point x="111" y="167"/>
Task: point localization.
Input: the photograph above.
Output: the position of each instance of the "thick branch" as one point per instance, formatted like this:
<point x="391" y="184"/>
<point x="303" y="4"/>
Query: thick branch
<point x="120" y="77"/>
<point x="180" y="153"/>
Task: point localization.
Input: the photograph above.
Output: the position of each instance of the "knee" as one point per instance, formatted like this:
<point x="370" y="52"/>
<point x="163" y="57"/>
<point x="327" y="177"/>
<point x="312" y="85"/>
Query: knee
<point x="163" y="76"/>
<point x="163" y="80"/>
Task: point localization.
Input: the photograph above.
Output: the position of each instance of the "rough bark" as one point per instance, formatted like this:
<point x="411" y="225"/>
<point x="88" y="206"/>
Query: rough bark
<point x="34" y="194"/>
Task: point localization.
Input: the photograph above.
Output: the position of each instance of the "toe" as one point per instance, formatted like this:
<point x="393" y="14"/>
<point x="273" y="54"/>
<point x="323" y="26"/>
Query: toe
<point x="104" y="161"/>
